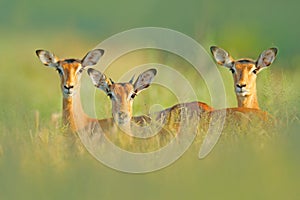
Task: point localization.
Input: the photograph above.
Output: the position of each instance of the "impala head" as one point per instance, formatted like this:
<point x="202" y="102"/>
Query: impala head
<point x="122" y="94"/>
<point x="70" y="70"/>
<point x="244" y="70"/>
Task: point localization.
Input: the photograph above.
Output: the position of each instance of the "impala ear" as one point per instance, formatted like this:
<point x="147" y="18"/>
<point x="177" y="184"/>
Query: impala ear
<point x="47" y="58"/>
<point x="222" y="57"/>
<point x="144" y="80"/>
<point x="99" y="80"/>
<point x="92" y="57"/>
<point x="266" y="58"/>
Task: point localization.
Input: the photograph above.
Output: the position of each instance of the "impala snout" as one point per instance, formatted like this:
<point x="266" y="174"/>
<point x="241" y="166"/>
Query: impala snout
<point x="241" y="85"/>
<point x="68" y="87"/>
<point x="241" y="89"/>
<point x="122" y="117"/>
<point x="68" y="90"/>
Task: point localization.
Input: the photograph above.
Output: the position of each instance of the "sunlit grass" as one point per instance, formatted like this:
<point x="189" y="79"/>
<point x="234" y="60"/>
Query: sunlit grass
<point x="39" y="161"/>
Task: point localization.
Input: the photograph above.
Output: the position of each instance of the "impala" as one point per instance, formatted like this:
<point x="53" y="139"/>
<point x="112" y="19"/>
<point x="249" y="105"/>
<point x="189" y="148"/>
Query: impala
<point x="123" y="94"/>
<point x="244" y="73"/>
<point x="70" y="71"/>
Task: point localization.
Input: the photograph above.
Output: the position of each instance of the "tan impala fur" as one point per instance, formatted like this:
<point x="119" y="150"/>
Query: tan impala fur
<point x="122" y="94"/>
<point x="244" y="73"/>
<point x="70" y="71"/>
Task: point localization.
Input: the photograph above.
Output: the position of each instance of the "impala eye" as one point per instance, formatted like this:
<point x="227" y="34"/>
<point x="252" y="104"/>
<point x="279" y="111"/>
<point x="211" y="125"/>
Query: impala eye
<point x="133" y="95"/>
<point x="232" y="70"/>
<point x="59" y="71"/>
<point x="80" y="70"/>
<point x="109" y="95"/>
<point x="255" y="71"/>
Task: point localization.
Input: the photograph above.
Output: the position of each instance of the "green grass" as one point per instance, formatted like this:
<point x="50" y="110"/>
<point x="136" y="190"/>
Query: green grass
<point x="37" y="161"/>
<point x="252" y="161"/>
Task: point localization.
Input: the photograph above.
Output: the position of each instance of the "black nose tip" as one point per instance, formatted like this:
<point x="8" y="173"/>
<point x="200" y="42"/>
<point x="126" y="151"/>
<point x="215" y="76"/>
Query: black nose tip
<point x="68" y="87"/>
<point x="240" y="86"/>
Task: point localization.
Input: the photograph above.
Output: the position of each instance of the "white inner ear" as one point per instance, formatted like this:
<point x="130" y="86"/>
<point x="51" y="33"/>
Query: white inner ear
<point x="223" y="58"/>
<point x="99" y="80"/>
<point x="266" y="58"/>
<point x="92" y="58"/>
<point x="220" y="57"/>
<point x="96" y="77"/>
<point x="144" y="80"/>
<point x="48" y="58"/>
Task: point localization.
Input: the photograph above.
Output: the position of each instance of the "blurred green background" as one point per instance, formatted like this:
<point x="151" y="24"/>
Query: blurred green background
<point x="34" y="163"/>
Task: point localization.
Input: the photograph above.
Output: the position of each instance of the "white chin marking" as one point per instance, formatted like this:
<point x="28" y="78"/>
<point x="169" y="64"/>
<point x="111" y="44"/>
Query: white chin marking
<point x="243" y="94"/>
<point x="67" y="95"/>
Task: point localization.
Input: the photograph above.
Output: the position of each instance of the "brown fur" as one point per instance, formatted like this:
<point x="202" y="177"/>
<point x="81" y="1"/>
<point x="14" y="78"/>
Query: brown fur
<point x="245" y="71"/>
<point x="244" y="76"/>
<point x="73" y="116"/>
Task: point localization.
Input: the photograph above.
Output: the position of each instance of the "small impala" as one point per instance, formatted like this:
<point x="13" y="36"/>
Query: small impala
<point x="70" y="71"/>
<point x="122" y="94"/>
<point x="244" y="73"/>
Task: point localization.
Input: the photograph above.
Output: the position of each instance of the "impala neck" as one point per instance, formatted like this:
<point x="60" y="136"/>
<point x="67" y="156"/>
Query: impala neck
<point x="73" y="114"/>
<point x="249" y="101"/>
<point x="125" y="127"/>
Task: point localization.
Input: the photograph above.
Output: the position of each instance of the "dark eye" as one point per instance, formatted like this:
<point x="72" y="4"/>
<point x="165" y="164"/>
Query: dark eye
<point x="59" y="71"/>
<point x="232" y="70"/>
<point x="80" y="70"/>
<point x="109" y="95"/>
<point x="255" y="71"/>
<point x="133" y="95"/>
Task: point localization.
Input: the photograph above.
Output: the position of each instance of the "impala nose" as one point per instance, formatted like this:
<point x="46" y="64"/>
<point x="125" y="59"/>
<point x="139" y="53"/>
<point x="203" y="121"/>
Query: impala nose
<point x="68" y="87"/>
<point x="240" y="85"/>
<point x="122" y="115"/>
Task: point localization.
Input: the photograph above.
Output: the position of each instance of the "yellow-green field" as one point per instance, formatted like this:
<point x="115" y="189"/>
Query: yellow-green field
<point x="37" y="161"/>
